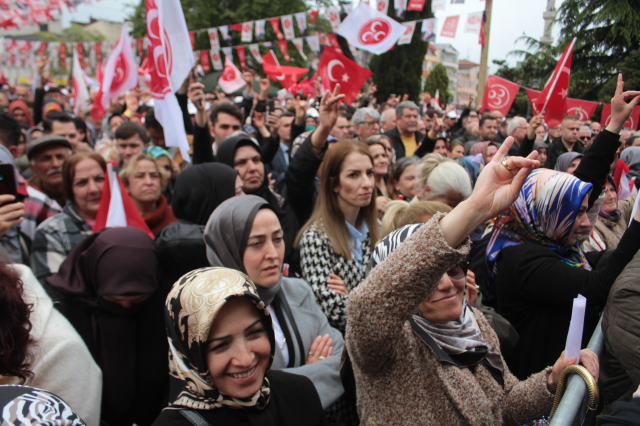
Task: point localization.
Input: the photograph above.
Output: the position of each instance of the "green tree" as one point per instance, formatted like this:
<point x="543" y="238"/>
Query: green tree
<point x="608" y="36"/>
<point x="399" y="71"/>
<point x="438" y="80"/>
<point x="74" y="33"/>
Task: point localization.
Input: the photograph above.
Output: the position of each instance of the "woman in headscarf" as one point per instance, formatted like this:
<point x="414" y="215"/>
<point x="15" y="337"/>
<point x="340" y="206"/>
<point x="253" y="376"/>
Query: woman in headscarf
<point x="568" y="162"/>
<point x="631" y="156"/>
<point x="244" y="234"/>
<point x="220" y="363"/>
<point x="21" y="112"/>
<point x="613" y="220"/>
<point x="107" y="289"/>
<point x="543" y="150"/>
<point x="535" y="267"/>
<point x="487" y="149"/>
<point x="411" y="334"/>
<point x="198" y="191"/>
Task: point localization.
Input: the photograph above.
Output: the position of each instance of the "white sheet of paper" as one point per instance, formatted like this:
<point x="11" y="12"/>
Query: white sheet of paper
<point x="635" y="208"/>
<point x="574" y="338"/>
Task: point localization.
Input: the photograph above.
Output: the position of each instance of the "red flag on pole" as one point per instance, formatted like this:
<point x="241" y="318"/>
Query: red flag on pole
<point x="554" y="95"/>
<point x="499" y="94"/>
<point x="335" y="68"/>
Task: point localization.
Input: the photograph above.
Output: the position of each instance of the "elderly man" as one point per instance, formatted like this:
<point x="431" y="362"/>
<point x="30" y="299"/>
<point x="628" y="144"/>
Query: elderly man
<point x="388" y="120"/>
<point x="518" y="129"/>
<point x="584" y="136"/>
<point x="405" y="137"/>
<point x="366" y="122"/>
<point x="567" y="142"/>
<point x="46" y="156"/>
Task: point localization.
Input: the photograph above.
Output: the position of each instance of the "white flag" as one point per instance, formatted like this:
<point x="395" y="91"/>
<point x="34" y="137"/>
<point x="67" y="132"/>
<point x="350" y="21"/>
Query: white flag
<point x="260" y="29"/>
<point x="314" y="44"/>
<point x="255" y="51"/>
<point x="300" y="46"/>
<point x="287" y="25"/>
<point x="408" y="34"/>
<point x="224" y="30"/>
<point x="247" y="32"/>
<point x="370" y="30"/>
<point x="78" y="85"/>
<point x="301" y="18"/>
<point x="334" y="17"/>
<point x="438" y="4"/>
<point x="228" y="53"/>
<point x="474" y="21"/>
<point x="231" y="79"/>
<point x="213" y="38"/>
<point x="348" y="7"/>
<point x="215" y="59"/>
<point x="171" y="60"/>
<point x="120" y="73"/>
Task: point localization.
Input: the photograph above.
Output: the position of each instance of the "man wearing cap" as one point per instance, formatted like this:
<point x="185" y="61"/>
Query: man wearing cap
<point x="46" y="156"/>
<point x="405" y="137"/>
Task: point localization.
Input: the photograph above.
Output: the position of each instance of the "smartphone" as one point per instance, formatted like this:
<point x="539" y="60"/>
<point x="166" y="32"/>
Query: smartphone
<point x="8" y="183"/>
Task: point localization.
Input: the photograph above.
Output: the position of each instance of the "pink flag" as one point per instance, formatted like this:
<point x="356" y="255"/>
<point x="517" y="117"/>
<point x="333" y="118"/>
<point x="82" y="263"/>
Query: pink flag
<point x="231" y="79"/>
<point x="450" y="26"/>
<point x="78" y="85"/>
<point x="120" y="73"/>
<point x="554" y="95"/>
<point x="171" y="60"/>
<point x="370" y="30"/>
<point x="499" y="94"/>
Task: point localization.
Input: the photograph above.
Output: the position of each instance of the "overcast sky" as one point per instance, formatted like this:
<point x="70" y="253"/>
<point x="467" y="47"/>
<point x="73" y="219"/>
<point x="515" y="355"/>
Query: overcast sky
<point x="511" y="18"/>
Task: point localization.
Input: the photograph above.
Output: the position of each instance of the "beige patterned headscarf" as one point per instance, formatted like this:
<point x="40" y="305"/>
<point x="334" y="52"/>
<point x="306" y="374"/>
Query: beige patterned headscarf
<point x="191" y="307"/>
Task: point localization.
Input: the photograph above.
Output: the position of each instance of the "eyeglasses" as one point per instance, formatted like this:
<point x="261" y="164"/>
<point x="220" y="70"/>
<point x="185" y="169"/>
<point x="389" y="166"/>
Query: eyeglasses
<point x="459" y="271"/>
<point x="585" y="138"/>
<point x="370" y="123"/>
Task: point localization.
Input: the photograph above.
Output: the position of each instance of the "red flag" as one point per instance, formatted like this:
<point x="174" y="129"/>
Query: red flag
<point x="63" y="54"/>
<point x="204" y="61"/>
<point x="236" y="27"/>
<point x="192" y="38"/>
<point x="481" y="38"/>
<point x="80" y="50"/>
<point x="282" y="44"/>
<point x="313" y="15"/>
<point x="42" y="48"/>
<point x="97" y="110"/>
<point x="241" y="56"/>
<point x="416" y="5"/>
<point x="553" y="98"/>
<point x="99" y="51"/>
<point x="631" y="123"/>
<point x="275" y="23"/>
<point x="533" y="97"/>
<point x="335" y="68"/>
<point x="231" y="79"/>
<point x="120" y="73"/>
<point x="288" y="76"/>
<point x="116" y="207"/>
<point x="333" y="41"/>
<point x="499" y="94"/>
<point x="140" y="45"/>
<point x="450" y="26"/>
<point x="581" y="109"/>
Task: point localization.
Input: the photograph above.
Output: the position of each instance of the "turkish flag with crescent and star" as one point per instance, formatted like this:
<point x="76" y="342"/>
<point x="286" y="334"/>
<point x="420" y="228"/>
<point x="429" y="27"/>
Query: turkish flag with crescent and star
<point x="370" y="30"/>
<point x="170" y="61"/>
<point x="288" y="76"/>
<point x="231" y="79"/>
<point x="554" y="95"/>
<point x="120" y="73"/>
<point x="335" y="68"/>
<point x="499" y="94"/>
<point x="630" y="124"/>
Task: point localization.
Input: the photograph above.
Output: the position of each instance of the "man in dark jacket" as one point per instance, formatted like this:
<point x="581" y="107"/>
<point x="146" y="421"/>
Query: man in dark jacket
<point x="567" y="142"/>
<point x="405" y="137"/>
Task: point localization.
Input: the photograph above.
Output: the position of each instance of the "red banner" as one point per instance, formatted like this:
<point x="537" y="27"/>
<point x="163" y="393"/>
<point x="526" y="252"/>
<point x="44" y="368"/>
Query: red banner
<point x="63" y="55"/>
<point x="499" y="94"/>
<point x="533" y="97"/>
<point x="241" y="56"/>
<point x="80" y="54"/>
<point x="631" y="123"/>
<point x="333" y="41"/>
<point x="99" y="52"/>
<point x="579" y="108"/>
<point x="192" y="38"/>
<point x="41" y="50"/>
<point x="450" y="26"/>
<point x="417" y="5"/>
<point x="275" y="23"/>
<point x="282" y="44"/>
<point x="140" y="45"/>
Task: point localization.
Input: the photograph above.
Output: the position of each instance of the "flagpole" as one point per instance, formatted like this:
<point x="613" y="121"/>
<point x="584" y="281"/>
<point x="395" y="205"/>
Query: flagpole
<point x="553" y="85"/>
<point x="484" y="56"/>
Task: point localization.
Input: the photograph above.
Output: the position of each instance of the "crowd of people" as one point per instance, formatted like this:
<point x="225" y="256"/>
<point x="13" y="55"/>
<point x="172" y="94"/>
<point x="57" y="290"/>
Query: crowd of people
<point x="315" y="262"/>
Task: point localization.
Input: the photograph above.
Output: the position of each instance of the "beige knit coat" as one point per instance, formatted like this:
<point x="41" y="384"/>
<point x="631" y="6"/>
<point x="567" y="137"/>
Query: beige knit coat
<point x="399" y="380"/>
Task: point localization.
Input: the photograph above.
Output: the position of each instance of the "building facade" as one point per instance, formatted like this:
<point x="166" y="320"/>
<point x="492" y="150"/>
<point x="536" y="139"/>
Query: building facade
<point x="446" y="55"/>
<point x="468" y="73"/>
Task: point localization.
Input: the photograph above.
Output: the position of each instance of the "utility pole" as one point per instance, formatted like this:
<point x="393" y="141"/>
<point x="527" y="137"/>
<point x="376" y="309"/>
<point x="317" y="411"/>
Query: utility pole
<point x="484" y="56"/>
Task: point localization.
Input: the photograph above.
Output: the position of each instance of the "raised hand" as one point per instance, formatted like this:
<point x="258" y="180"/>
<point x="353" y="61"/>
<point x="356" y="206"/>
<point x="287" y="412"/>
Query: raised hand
<point x="536" y="122"/>
<point x="620" y="109"/>
<point x="196" y="94"/>
<point x="264" y="88"/>
<point x="320" y="349"/>
<point x="329" y="108"/>
<point x="301" y="109"/>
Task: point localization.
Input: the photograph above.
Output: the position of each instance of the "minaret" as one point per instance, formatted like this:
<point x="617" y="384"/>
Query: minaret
<point x="549" y="15"/>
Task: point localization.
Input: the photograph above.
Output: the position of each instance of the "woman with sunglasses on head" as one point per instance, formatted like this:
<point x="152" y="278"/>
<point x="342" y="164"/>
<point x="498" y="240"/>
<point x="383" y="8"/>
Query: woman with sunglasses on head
<point x="412" y="334"/>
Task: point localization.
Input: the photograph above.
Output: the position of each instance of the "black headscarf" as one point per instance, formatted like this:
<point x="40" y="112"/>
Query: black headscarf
<point x="202" y="188"/>
<point x="227" y="149"/>
<point x="113" y="262"/>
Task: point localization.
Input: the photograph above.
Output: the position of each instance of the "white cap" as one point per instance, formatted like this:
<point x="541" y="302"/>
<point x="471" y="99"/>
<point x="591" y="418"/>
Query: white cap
<point x="312" y="112"/>
<point x="452" y="114"/>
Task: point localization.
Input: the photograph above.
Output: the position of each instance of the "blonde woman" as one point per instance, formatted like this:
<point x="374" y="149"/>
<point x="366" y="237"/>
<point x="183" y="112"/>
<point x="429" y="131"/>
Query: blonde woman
<point x="442" y="179"/>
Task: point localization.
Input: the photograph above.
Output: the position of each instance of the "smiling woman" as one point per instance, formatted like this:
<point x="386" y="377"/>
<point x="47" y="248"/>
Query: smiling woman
<point x="219" y="363"/>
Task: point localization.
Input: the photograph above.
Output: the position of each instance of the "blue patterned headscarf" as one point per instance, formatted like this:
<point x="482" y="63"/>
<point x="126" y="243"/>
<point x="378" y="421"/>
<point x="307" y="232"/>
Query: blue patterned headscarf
<point x="544" y="213"/>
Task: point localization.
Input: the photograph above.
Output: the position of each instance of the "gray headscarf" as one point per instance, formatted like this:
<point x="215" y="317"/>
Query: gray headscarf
<point x="631" y="156"/>
<point x="226" y="236"/>
<point x="540" y="145"/>
<point x="454" y="337"/>
<point x="564" y="161"/>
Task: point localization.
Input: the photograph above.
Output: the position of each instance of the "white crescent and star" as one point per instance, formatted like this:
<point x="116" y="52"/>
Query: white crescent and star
<point x="332" y="64"/>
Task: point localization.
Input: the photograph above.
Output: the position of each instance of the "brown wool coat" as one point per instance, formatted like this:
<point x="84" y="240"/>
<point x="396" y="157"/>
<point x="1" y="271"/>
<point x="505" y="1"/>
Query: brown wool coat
<point x="399" y="380"/>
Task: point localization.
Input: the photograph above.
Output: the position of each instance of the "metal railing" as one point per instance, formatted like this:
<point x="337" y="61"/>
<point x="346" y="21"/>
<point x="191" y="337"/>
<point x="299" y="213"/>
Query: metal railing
<point x="572" y="408"/>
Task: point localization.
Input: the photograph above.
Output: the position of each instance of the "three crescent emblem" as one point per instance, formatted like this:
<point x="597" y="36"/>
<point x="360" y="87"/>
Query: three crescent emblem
<point x="374" y="31"/>
<point x="498" y="96"/>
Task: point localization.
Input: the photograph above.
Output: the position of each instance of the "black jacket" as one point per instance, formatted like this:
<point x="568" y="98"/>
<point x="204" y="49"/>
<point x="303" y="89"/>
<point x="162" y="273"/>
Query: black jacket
<point x="425" y="144"/>
<point x="557" y="148"/>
